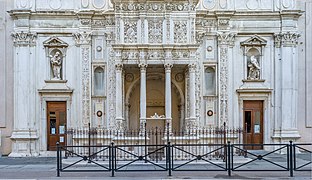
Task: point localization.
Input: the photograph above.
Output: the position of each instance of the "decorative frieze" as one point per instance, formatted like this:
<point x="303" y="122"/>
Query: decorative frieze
<point x="180" y="54"/>
<point x="24" y="38"/>
<point x="156" y="55"/>
<point x="156" y="6"/>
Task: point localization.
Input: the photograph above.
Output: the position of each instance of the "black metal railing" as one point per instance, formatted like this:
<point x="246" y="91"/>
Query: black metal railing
<point x="199" y="157"/>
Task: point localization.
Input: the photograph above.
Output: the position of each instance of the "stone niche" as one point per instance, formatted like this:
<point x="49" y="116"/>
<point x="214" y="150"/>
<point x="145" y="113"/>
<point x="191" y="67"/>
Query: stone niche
<point x="253" y="49"/>
<point x="55" y="50"/>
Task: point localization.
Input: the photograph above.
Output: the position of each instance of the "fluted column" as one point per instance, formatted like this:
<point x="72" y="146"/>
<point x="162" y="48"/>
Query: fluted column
<point x="143" y="67"/>
<point x="119" y="114"/>
<point x="168" y="67"/>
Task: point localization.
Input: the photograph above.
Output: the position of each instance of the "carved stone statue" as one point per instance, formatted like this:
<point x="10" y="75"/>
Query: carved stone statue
<point x="253" y="69"/>
<point x="56" y="64"/>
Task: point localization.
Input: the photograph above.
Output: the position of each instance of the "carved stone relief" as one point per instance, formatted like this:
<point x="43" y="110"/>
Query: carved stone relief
<point x="55" y="4"/>
<point x="156" y="7"/>
<point x="24" y="4"/>
<point x="180" y="54"/>
<point x="85" y="84"/>
<point x="155" y="31"/>
<point x="156" y="55"/>
<point x="130" y="31"/>
<point x="180" y="31"/>
<point x="209" y="4"/>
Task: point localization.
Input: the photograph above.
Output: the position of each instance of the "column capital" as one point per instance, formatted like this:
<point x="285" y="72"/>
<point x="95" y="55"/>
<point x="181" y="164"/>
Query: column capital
<point x="168" y="67"/>
<point x="192" y="67"/>
<point x="286" y="39"/>
<point x="119" y="66"/>
<point x="226" y="38"/>
<point x="82" y="38"/>
<point x="142" y="66"/>
<point x="24" y="38"/>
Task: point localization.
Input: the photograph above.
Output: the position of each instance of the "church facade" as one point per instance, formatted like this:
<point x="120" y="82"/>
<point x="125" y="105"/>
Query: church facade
<point x="182" y="65"/>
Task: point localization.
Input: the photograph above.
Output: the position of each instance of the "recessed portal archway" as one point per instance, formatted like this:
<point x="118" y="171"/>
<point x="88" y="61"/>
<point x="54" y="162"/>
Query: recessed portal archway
<point x="155" y="102"/>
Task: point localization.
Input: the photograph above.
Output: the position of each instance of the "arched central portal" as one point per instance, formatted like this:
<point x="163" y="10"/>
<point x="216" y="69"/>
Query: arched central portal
<point x="155" y="103"/>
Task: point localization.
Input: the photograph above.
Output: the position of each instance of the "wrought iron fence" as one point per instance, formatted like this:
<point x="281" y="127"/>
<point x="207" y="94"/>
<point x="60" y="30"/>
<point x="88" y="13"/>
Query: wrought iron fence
<point x="200" y="157"/>
<point x="86" y="141"/>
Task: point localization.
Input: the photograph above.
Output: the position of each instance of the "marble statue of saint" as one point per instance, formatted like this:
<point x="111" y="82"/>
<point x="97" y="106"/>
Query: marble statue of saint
<point x="253" y="69"/>
<point x="56" y="63"/>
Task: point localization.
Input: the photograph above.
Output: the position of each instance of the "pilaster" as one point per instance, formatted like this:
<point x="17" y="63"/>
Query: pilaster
<point x="25" y="135"/>
<point x="83" y="41"/>
<point x="225" y="42"/>
<point x="288" y="92"/>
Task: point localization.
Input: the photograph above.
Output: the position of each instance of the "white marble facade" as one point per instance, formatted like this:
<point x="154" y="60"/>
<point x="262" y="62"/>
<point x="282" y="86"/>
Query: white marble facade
<point x="130" y="60"/>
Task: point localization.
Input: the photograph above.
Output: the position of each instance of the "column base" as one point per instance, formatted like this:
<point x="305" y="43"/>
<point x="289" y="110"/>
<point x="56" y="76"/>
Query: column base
<point x="24" y="143"/>
<point x="284" y="136"/>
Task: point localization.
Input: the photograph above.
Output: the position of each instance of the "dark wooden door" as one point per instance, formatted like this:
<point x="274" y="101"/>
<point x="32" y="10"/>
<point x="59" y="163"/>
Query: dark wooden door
<point x="253" y="123"/>
<point x="56" y="124"/>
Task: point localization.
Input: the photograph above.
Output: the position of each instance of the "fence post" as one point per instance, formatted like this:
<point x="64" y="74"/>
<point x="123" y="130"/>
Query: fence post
<point x="169" y="156"/>
<point x="58" y="159"/>
<point x="145" y="143"/>
<point x="229" y="157"/>
<point x="89" y="138"/>
<point x="291" y="158"/>
<point x="224" y="141"/>
<point x="113" y="159"/>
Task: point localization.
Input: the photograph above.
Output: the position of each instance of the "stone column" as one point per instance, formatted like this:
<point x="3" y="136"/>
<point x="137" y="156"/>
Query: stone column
<point x="143" y="67"/>
<point x="83" y="41"/>
<point x="119" y="109"/>
<point x="191" y="124"/>
<point x="24" y="137"/>
<point x="168" y="100"/>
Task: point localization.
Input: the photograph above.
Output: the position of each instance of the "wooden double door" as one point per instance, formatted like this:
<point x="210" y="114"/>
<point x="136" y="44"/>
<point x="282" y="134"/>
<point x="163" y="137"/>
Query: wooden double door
<point x="253" y="124"/>
<point x="56" y="124"/>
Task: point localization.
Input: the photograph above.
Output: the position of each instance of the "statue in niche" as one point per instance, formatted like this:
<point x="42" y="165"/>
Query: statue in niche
<point x="253" y="69"/>
<point x="56" y="64"/>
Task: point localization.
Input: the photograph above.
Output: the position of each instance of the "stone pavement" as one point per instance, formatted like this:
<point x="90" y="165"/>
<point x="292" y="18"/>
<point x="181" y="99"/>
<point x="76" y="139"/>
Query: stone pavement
<point x="45" y="168"/>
